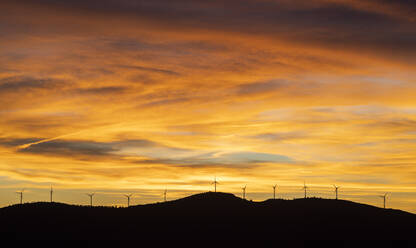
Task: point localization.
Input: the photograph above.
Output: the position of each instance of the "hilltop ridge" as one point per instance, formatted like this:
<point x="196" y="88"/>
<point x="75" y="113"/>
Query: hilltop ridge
<point x="193" y="216"/>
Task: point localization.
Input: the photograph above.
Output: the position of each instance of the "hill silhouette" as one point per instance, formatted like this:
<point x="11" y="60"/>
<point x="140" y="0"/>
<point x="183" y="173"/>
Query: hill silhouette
<point x="209" y="216"/>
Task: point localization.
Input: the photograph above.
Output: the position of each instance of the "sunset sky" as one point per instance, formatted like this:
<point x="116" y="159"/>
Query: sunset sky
<point x="135" y="96"/>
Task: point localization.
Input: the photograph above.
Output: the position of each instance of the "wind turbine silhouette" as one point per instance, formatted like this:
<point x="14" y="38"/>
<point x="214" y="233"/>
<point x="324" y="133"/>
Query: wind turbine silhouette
<point x="215" y="182"/>
<point x="51" y="193"/>
<point x="91" y="196"/>
<point x="305" y="188"/>
<point x="336" y="191"/>
<point x="164" y="194"/>
<point x="21" y="195"/>
<point x="244" y="191"/>
<point x="274" y="191"/>
<point x="128" y="199"/>
<point x="384" y="199"/>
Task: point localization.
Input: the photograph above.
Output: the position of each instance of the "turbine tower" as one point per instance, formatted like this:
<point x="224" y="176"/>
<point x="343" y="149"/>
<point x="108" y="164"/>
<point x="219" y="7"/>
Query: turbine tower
<point x="244" y="191"/>
<point x="91" y="196"/>
<point x="336" y="191"/>
<point x="215" y="182"/>
<point x="305" y="188"/>
<point x="164" y="194"/>
<point x="274" y="191"/>
<point x="128" y="199"/>
<point x="51" y="193"/>
<point x="384" y="199"/>
<point x="21" y="195"/>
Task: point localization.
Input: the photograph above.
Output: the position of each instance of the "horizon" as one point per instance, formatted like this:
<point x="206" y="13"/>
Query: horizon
<point x="135" y="96"/>
<point x="192" y="196"/>
<point x="113" y="199"/>
<point x="189" y="196"/>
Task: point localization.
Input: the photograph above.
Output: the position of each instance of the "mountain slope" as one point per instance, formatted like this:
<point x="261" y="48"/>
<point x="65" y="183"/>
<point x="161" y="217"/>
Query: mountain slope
<point x="196" y="216"/>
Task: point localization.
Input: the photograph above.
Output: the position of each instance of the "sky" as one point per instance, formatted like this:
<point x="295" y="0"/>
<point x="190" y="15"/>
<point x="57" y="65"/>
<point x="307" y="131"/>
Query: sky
<point x="123" y="96"/>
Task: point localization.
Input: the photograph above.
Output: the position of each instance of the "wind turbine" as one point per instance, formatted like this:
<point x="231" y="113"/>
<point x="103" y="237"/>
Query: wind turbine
<point x="384" y="199"/>
<point x="274" y="191"/>
<point x="91" y="195"/>
<point x="336" y="191"/>
<point x="215" y="182"/>
<point x="51" y="193"/>
<point x="244" y="191"/>
<point x="305" y="188"/>
<point x="164" y="194"/>
<point x="21" y="195"/>
<point x="128" y="199"/>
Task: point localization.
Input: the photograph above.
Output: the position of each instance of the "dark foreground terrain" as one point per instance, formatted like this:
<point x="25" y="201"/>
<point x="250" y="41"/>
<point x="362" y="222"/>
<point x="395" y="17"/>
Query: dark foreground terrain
<point x="207" y="217"/>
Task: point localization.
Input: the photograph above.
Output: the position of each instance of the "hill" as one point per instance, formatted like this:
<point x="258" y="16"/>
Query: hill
<point x="212" y="216"/>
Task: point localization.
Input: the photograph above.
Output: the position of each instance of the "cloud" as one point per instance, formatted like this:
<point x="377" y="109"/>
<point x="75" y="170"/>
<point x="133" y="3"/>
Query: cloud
<point x="345" y="24"/>
<point x="14" y="142"/>
<point x="165" y="102"/>
<point x="149" y="69"/>
<point x="281" y="136"/>
<point x="182" y="46"/>
<point x="93" y="149"/>
<point x="253" y="157"/>
<point x="402" y="125"/>
<point x="23" y="84"/>
<point x="260" y="87"/>
<point x="402" y="9"/>
<point x="149" y="152"/>
<point x="101" y="90"/>
<point x="70" y="148"/>
<point x="221" y="159"/>
<point x="76" y="148"/>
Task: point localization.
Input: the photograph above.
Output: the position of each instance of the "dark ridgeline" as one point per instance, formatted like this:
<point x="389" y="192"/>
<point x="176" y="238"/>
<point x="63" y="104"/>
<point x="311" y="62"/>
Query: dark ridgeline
<point x="208" y="216"/>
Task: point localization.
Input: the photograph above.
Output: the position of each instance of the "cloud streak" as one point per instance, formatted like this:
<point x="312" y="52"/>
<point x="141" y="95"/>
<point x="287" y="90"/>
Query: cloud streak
<point x="148" y="69"/>
<point x="149" y="152"/>
<point x="326" y="23"/>
<point x="16" y="84"/>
